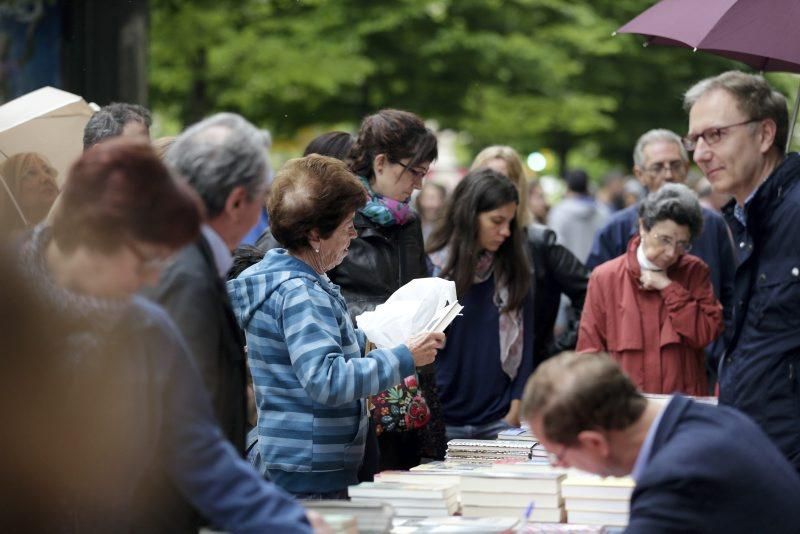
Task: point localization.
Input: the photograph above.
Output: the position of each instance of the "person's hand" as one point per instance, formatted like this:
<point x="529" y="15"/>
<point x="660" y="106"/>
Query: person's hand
<point x="423" y="347"/>
<point x="656" y="280"/>
<point x="512" y="417"/>
<point x="318" y="523"/>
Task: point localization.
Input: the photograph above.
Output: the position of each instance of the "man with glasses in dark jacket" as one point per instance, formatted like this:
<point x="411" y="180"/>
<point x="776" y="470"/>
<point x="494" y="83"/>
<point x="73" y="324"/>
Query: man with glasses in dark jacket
<point x="737" y="130"/>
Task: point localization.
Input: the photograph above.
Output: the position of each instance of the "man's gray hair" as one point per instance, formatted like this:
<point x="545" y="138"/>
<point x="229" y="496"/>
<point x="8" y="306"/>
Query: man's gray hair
<point x="756" y="99"/>
<point x="109" y="121"/>
<point x="654" y="136"/>
<point x="221" y="153"/>
<point x="673" y="202"/>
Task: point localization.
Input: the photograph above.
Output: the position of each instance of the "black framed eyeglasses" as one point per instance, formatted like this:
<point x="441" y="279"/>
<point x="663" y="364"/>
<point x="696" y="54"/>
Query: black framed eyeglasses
<point x="416" y="173"/>
<point x="711" y="136"/>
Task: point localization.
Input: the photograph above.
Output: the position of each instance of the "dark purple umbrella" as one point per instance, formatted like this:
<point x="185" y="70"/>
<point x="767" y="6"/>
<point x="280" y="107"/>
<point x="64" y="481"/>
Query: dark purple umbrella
<point x="760" y="33"/>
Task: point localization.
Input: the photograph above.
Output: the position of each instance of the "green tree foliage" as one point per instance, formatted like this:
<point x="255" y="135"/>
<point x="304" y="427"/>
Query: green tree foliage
<point x="529" y="73"/>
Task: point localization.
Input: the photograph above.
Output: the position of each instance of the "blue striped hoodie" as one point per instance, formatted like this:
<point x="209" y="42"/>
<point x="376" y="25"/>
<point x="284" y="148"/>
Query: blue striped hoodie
<point x="310" y="376"/>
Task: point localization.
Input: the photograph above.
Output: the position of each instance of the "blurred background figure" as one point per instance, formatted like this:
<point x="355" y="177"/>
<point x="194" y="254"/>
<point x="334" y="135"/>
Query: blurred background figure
<point x="335" y="144"/>
<point x="32" y="189"/>
<point x="115" y="119"/>
<point x="482" y="370"/>
<point x="507" y="162"/>
<point x="262" y="223"/>
<point x="537" y="202"/>
<point x="429" y="205"/>
<point x="632" y="192"/>
<point x="162" y="144"/>
<point x="611" y="193"/>
<point x="653" y="309"/>
<point x="578" y="216"/>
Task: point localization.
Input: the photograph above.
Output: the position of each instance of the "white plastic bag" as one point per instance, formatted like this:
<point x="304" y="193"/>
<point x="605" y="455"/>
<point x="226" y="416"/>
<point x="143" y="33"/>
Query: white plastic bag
<point x="407" y="312"/>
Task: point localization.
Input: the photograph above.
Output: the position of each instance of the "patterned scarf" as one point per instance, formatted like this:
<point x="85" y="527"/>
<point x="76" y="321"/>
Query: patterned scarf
<point x="385" y="211"/>
<point x="511" y="330"/>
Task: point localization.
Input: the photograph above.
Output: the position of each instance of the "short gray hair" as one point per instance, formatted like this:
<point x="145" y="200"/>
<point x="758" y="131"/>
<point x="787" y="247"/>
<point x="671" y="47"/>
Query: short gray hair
<point x="109" y="121"/>
<point x="654" y="136"/>
<point x="673" y="202"/>
<point x="218" y="154"/>
<point x="755" y="98"/>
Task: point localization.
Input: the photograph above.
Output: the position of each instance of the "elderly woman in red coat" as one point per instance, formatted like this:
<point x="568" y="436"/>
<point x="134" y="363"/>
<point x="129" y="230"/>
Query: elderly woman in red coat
<point x="653" y="309"/>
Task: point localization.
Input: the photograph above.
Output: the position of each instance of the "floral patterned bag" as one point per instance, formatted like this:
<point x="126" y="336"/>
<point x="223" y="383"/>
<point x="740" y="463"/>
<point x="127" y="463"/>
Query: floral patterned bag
<point x="400" y="408"/>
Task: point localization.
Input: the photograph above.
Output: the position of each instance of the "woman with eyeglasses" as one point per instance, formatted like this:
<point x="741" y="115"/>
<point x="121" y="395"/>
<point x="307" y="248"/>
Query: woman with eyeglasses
<point x="653" y="308"/>
<point x="392" y="154"/>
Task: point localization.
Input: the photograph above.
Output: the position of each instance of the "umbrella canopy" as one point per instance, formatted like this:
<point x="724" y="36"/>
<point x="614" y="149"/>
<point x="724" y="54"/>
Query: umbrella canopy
<point x="48" y="121"/>
<point x="759" y="33"/>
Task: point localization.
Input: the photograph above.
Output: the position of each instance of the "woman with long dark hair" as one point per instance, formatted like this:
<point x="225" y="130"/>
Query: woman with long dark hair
<point x="482" y="370"/>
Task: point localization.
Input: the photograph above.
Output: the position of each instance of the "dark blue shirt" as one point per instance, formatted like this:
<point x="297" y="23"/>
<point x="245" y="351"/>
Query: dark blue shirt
<point x="473" y="388"/>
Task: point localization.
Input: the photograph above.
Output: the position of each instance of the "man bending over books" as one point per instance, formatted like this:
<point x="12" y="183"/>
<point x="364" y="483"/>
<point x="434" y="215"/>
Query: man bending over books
<point x="697" y="467"/>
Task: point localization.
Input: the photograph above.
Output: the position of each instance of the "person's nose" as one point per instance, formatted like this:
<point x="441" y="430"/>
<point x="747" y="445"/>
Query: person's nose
<point x="505" y="230"/>
<point x="702" y="152"/>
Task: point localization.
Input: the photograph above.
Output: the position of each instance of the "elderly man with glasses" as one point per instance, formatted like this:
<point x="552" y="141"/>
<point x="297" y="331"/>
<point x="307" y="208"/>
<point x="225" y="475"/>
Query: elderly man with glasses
<point x="698" y="468"/>
<point x="737" y="130"/>
<point x="659" y="157"/>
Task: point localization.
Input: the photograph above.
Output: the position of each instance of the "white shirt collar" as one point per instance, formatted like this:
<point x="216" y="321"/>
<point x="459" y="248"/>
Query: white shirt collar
<point x="223" y="259"/>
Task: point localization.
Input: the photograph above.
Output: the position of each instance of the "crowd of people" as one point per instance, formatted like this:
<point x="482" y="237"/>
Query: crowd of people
<point x="182" y="324"/>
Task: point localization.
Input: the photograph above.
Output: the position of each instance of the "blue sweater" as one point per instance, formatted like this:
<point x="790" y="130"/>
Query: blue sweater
<point x="311" y="381"/>
<point x="472" y="386"/>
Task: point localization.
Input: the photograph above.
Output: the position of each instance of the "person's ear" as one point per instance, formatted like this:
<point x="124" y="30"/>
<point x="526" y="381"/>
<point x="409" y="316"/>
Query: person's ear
<point x="314" y="239"/>
<point x="379" y="164"/>
<point x="641" y="228"/>
<point x="767" y="130"/>
<point x="638" y="172"/>
<point x="235" y="201"/>
<point x="594" y="441"/>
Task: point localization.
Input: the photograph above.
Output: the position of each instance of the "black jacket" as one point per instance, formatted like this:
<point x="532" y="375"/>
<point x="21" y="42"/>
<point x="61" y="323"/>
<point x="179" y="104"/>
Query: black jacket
<point x="381" y="259"/>
<point x="556" y="271"/>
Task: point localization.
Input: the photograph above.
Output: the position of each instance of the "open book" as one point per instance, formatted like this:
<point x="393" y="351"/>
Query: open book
<point x="443" y="317"/>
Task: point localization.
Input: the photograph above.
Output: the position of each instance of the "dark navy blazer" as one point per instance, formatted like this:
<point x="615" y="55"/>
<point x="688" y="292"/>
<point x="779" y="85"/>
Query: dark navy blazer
<point x="712" y="469"/>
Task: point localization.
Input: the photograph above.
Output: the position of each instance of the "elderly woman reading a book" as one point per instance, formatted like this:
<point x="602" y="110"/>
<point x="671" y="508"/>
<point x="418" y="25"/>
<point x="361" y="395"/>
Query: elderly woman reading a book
<point x="309" y="369"/>
<point x="479" y="245"/>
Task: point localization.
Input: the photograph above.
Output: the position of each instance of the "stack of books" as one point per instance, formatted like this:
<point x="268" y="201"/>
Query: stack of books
<point x="479" y="450"/>
<point x="593" y="500"/>
<point x="432" y="499"/>
<point x="508" y="494"/>
<point x="369" y="518"/>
